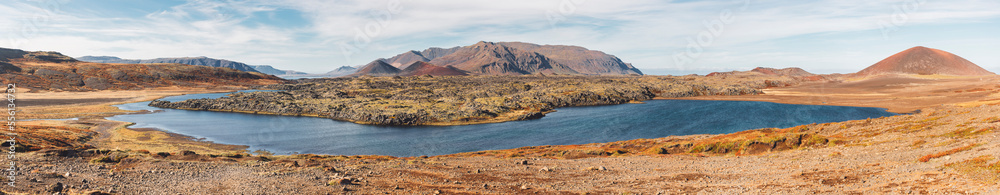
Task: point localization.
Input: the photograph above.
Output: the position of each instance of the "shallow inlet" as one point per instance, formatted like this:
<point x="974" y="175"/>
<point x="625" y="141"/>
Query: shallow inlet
<point x="572" y="125"/>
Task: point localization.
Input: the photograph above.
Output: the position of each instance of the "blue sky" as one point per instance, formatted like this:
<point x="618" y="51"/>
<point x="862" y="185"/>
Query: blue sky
<point x="823" y="36"/>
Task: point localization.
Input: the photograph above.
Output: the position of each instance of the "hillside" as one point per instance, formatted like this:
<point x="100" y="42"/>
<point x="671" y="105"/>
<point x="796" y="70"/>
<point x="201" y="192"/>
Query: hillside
<point x="516" y="58"/>
<point x="56" y="72"/>
<point x="578" y="58"/>
<point x="199" y="61"/>
<point x="925" y="61"/>
<point x="377" y="68"/>
<point x="423" y="68"/>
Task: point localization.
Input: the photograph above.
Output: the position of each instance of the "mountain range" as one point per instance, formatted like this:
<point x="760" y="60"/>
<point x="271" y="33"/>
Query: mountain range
<point x="198" y="61"/>
<point x="506" y="58"/>
<point x="53" y="71"/>
<point x="267" y="69"/>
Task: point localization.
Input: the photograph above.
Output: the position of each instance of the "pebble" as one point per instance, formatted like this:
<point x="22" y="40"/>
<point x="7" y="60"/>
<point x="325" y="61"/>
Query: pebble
<point x="57" y="187"/>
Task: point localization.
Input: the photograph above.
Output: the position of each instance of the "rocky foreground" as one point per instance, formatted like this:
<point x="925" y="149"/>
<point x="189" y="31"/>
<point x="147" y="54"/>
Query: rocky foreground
<point x="451" y="100"/>
<point x="946" y="150"/>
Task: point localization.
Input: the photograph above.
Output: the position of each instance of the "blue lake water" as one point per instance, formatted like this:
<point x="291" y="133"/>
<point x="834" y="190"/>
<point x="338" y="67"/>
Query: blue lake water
<point x="573" y="125"/>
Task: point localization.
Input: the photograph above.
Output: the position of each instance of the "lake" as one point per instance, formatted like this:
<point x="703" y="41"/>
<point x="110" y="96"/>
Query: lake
<point x="572" y="125"/>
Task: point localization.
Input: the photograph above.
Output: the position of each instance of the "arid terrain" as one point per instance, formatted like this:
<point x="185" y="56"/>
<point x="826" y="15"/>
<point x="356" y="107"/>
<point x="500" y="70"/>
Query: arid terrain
<point x="946" y="145"/>
<point x="944" y="149"/>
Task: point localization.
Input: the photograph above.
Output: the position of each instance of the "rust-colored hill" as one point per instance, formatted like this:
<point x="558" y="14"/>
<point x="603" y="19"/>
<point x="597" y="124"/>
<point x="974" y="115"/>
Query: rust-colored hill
<point x="423" y="68"/>
<point x="56" y="72"/>
<point x="925" y="61"/>
<point x="377" y="68"/>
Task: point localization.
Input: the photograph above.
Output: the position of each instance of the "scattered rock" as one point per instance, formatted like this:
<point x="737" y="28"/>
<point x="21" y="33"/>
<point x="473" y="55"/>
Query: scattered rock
<point x="95" y="192"/>
<point x="340" y="181"/>
<point x="545" y="169"/>
<point x="58" y="187"/>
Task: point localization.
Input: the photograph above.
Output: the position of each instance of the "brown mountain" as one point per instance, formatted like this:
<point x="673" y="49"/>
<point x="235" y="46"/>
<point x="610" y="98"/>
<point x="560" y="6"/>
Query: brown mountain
<point x="423" y="68"/>
<point x="578" y="58"/>
<point x="436" y="52"/>
<point x="402" y="60"/>
<point x="495" y="59"/>
<point x="377" y="68"/>
<point x="925" y="61"/>
<point x="56" y="72"/>
<point x="516" y="58"/>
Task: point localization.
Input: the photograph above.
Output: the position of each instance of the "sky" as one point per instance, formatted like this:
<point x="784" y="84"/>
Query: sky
<point x="656" y="36"/>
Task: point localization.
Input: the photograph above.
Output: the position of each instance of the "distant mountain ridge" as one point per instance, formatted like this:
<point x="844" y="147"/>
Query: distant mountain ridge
<point x="198" y="61"/>
<point x="267" y="69"/>
<point x="516" y="58"/>
<point x="924" y="61"/>
<point x="53" y="71"/>
<point x="791" y="72"/>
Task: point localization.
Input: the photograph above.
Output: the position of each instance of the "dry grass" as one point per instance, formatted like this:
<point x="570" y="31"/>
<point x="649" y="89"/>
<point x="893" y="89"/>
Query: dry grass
<point x="979" y="169"/>
<point x="63" y="112"/>
<point x="750" y="142"/>
<point x="36" y="136"/>
<point x="968" y="132"/>
<point x="945" y="153"/>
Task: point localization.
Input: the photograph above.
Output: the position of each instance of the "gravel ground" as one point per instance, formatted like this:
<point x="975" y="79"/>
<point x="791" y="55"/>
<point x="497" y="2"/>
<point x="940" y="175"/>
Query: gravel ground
<point x="882" y="163"/>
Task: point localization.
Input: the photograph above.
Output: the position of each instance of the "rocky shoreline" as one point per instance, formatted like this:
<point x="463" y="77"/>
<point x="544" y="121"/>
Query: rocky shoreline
<point x="450" y="100"/>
